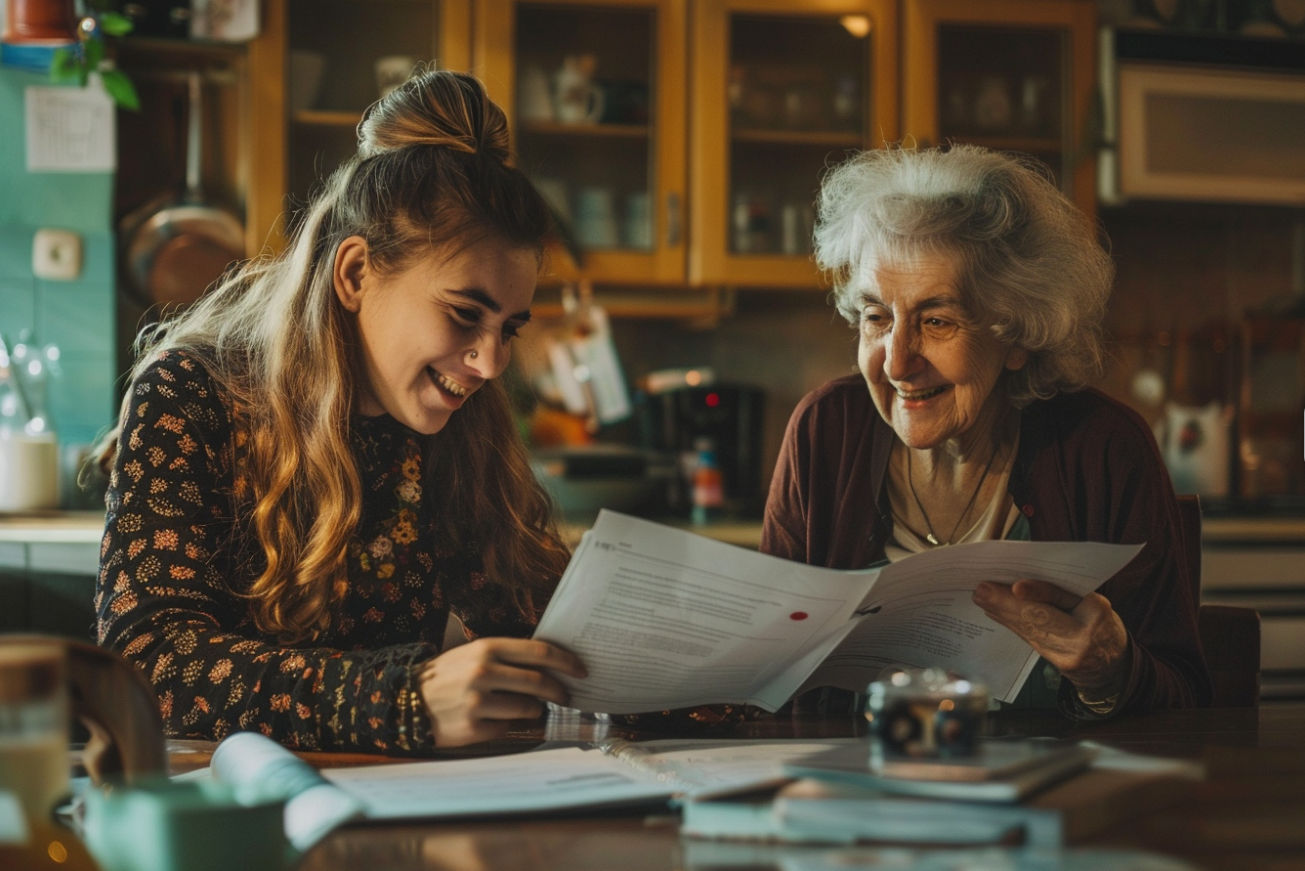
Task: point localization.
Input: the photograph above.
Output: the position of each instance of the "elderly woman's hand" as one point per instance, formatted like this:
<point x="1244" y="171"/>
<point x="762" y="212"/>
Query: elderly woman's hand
<point x="1083" y="638"/>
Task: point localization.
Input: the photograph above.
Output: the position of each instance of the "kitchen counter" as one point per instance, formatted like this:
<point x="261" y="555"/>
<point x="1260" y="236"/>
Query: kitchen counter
<point x="86" y="527"/>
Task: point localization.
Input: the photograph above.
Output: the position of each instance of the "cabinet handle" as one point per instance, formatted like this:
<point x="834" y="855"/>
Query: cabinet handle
<point x="673" y="220"/>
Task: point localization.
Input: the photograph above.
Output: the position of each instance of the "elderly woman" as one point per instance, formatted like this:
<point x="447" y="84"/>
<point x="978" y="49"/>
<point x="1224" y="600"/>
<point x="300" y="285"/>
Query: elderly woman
<point x="978" y="291"/>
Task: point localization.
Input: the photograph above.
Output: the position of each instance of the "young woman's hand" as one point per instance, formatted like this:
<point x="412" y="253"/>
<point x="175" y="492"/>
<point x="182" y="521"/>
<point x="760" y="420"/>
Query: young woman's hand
<point x="473" y="690"/>
<point x="1082" y="637"/>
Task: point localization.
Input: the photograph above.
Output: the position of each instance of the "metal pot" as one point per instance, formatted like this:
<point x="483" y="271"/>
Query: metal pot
<point x="178" y="247"/>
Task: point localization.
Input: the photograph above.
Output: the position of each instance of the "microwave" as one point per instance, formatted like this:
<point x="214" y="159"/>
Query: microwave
<point x="1201" y="118"/>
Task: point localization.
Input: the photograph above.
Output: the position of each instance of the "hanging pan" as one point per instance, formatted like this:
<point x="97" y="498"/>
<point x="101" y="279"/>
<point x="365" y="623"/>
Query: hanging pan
<point x="176" y="249"/>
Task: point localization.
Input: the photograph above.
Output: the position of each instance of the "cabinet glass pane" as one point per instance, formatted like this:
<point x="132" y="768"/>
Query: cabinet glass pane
<point x="341" y="54"/>
<point x="1004" y="88"/>
<point x="585" y="92"/>
<point x="797" y="98"/>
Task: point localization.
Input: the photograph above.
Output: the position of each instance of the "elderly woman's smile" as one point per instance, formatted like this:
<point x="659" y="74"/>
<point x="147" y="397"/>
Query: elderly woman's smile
<point x="931" y="368"/>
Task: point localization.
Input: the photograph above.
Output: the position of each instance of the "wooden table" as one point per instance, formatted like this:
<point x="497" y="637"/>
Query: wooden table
<point x="1249" y="814"/>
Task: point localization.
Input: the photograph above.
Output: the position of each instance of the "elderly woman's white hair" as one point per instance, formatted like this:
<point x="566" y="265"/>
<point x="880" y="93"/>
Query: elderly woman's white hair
<point x="1028" y="261"/>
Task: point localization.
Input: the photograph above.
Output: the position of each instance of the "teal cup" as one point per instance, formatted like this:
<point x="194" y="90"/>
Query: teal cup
<point x="184" y="826"/>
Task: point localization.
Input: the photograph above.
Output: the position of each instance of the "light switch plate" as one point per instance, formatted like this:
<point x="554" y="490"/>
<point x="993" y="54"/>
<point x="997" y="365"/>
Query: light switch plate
<point x="57" y="254"/>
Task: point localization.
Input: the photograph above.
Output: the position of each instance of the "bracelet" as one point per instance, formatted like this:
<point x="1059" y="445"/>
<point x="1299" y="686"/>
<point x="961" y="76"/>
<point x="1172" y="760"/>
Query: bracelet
<point x="1098" y="706"/>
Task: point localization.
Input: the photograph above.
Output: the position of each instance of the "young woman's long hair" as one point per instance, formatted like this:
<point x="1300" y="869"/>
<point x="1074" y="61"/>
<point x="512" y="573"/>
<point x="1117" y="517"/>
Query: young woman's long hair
<point x="433" y="174"/>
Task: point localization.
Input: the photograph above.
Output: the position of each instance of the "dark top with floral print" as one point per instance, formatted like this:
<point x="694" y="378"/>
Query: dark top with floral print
<point x="174" y="564"/>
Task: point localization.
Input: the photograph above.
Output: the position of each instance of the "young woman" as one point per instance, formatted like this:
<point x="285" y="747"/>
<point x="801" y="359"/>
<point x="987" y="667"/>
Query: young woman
<point x="315" y="466"/>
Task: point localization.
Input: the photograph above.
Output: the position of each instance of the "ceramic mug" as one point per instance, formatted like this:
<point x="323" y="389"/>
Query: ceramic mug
<point x="392" y="71"/>
<point x="162" y="825"/>
<point x="29" y="471"/>
<point x="578" y="100"/>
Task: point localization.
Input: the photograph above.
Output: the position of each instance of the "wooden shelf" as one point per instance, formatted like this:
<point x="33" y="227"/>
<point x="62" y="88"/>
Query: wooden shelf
<point x="326" y="118"/>
<point x="1030" y="144"/>
<point x="831" y="138"/>
<point x="614" y="131"/>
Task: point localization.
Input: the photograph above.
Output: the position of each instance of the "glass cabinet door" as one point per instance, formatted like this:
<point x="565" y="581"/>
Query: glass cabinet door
<point x="314" y="68"/>
<point x="595" y="96"/>
<point x="1014" y="75"/>
<point x="342" y="55"/>
<point x="782" y="89"/>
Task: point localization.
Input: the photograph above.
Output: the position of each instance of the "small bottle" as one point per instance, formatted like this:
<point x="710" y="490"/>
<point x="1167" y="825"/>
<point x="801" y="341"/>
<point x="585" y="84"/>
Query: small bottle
<point x="708" y="484"/>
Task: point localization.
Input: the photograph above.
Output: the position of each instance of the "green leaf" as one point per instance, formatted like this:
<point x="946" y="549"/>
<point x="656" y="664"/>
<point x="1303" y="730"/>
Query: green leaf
<point x="120" y="89"/>
<point x="115" y="24"/>
<point x="64" y="66"/>
<point x="94" y="49"/>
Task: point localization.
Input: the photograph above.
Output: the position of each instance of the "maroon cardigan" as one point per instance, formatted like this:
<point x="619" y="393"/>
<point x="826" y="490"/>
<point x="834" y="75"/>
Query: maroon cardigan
<point x="1088" y="469"/>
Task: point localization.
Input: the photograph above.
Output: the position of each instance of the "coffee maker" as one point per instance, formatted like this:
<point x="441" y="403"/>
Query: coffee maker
<point x="680" y="421"/>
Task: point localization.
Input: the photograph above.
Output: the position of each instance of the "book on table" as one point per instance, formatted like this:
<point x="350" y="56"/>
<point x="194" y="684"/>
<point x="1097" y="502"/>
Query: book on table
<point x="664" y="618"/>
<point x="1073" y="792"/>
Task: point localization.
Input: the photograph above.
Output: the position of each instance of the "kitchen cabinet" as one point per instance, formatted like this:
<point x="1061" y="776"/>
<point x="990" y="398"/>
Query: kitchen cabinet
<point x="780" y="90"/>
<point x="687" y="149"/>
<point x="314" y="70"/>
<point x="1015" y="75"/>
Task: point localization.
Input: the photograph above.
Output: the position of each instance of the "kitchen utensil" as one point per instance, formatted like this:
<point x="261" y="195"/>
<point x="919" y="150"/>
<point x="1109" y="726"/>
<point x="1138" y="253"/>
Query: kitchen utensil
<point x="177" y="248"/>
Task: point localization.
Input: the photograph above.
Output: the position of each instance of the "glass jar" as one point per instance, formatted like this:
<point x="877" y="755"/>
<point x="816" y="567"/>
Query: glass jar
<point x="924" y="713"/>
<point x="34" y="725"/>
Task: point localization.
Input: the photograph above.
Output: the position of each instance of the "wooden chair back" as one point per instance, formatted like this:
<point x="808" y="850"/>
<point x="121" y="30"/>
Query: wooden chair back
<point x="117" y="705"/>
<point x="1230" y="635"/>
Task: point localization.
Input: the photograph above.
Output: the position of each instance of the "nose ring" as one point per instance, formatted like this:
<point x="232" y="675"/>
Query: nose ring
<point x="474" y="354"/>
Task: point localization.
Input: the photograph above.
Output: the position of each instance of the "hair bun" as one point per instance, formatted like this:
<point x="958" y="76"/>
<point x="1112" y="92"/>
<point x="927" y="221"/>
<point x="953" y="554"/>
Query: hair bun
<point x="439" y="108"/>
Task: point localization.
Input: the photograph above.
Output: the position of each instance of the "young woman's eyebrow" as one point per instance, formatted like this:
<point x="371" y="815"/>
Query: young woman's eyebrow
<point x="475" y="294"/>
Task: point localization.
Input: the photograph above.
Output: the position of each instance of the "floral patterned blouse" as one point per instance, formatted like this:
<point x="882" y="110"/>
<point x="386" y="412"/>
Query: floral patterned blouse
<point x="174" y="565"/>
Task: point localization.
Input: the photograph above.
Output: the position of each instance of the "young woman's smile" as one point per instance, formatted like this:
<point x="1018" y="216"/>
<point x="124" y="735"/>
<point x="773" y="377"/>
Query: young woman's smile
<point x="433" y="333"/>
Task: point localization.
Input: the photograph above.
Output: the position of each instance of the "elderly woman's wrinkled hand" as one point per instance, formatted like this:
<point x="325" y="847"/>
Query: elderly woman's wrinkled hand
<point x="1082" y="637"/>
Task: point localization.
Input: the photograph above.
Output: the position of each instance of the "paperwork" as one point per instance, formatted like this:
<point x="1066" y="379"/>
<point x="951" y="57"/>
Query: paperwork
<point x="664" y="618"/>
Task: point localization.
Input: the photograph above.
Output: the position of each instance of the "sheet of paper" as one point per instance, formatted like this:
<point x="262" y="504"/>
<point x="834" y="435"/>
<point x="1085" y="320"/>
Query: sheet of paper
<point x="665" y="618"/>
<point x="525" y="782"/>
<point x="704" y="767"/>
<point x="70" y="129"/>
<point x="921" y="615"/>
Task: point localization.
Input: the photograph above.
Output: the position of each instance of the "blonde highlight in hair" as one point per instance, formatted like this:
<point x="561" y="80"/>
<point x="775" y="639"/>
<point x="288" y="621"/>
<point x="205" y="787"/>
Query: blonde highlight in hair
<point x="432" y="174"/>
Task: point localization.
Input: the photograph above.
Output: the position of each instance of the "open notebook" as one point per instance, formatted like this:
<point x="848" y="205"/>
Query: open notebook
<point x="610" y="774"/>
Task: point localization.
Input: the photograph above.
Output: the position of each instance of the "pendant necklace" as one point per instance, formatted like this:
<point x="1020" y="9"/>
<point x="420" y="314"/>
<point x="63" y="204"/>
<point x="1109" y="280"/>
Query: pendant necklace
<point x="932" y="537"/>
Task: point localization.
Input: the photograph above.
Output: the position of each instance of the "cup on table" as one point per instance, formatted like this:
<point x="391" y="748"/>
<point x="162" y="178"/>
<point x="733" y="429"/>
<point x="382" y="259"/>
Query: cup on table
<point x="923" y="713"/>
<point x="162" y="825"/>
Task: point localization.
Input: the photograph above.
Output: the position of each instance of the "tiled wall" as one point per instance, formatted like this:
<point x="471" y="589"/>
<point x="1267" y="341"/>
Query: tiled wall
<point x="79" y="315"/>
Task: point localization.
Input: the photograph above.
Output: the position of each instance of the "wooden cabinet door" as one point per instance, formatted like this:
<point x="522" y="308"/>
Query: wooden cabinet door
<point x="595" y="93"/>
<point x="1016" y="75"/>
<point x="781" y="89"/>
<point x="313" y="71"/>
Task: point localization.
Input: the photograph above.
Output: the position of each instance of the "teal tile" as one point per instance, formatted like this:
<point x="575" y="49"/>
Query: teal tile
<point x="17" y="306"/>
<point x="98" y="257"/>
<point x="79" y="317"/>
<point x="15" y="252"/>
<point x="82" y="395"/>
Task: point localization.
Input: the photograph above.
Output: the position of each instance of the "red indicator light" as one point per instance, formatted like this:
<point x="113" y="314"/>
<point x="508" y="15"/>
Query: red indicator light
<point x="798" y="615"/>
<point x="713" y="400"/>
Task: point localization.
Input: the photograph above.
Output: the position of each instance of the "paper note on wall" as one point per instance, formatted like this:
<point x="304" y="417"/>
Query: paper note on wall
<point x="71" y="129"/>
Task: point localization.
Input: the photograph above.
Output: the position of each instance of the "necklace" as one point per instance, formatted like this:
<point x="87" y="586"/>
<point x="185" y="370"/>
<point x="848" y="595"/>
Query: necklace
<point x="932" y="537"/>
